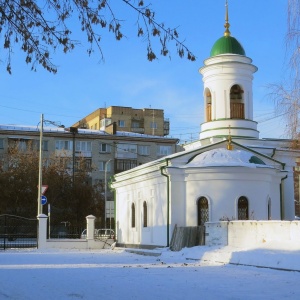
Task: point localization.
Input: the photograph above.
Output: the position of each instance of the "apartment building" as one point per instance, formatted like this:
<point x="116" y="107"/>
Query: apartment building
<point x="107" y="153"/>
<point x="145" y="121"/>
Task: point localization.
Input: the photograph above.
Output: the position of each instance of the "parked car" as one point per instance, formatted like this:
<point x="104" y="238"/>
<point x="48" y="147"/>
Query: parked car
<point x="100" y="233"/>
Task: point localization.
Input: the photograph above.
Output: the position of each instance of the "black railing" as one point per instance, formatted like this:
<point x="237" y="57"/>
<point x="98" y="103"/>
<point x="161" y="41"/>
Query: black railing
<point x="17" y="232"/>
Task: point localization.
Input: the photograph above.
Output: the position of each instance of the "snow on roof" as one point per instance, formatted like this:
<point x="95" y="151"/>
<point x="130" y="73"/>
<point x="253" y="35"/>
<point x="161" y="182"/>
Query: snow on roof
<point x="224" y="157"/>
<point x="36" y="128"/>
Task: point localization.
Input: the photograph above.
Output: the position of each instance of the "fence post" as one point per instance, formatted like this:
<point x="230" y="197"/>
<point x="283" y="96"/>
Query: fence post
<point x="42" y="231"/>
<point x="90" y="227"/>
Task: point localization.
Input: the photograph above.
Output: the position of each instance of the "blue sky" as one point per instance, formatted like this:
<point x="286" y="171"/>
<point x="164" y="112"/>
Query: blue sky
<point x="126" y="78"/>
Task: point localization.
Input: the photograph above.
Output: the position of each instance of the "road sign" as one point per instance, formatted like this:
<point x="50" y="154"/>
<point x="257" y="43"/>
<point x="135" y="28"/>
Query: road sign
<point x="44" y="188"/>
<point x="43" y="200"/>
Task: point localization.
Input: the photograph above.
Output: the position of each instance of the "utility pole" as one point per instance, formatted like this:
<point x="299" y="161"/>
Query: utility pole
<point x="105" y="192"/>
<point x="39" y="211"/>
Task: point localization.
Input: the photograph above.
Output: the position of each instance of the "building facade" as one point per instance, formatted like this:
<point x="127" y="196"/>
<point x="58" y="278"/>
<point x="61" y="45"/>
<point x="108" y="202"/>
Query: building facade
<point x="104" y="154"/>
<point x="145" y="121"/>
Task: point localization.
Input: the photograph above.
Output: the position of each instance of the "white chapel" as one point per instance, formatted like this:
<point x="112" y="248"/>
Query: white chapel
<point x="228" y="174"/>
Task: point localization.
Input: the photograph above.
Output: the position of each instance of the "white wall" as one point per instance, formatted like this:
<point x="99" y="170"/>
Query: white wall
<point x="222" y="186"/>
<point x="251" y="233"/>
<point x="153" y="190"/>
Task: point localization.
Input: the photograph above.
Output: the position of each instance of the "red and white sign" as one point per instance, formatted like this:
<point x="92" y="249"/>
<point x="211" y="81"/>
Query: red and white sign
<point x="44" y="189"/>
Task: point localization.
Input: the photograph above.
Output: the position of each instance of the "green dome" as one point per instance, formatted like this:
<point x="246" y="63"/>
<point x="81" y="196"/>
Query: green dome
<point x="227" y="45"/>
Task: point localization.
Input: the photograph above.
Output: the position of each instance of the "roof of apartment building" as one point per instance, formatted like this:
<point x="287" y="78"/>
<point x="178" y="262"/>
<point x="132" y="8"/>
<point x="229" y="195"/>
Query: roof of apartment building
<point x="66" y="130"/>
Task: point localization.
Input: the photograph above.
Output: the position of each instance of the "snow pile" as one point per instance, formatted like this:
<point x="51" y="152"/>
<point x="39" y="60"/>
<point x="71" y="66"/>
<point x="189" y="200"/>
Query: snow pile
<point x="224" y="157"/>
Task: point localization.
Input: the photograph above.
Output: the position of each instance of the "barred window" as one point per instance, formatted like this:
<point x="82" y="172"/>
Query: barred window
<point x="202" y="206"/>
<point x="243" y="208"/>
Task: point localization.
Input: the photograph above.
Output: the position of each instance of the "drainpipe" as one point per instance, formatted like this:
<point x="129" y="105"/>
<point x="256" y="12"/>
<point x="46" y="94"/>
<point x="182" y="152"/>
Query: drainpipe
<point x="281" y="199"/>
<point x="168" y="199"/>
<point x="274" y="150"/>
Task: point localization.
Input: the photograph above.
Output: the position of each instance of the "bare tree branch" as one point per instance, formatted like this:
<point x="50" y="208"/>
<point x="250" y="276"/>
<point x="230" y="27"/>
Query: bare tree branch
<point x="41" y="27"/>
<point x="286" y="95"/>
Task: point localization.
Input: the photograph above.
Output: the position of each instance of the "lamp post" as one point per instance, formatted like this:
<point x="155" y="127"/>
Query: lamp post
<point x="39" y="211"/>
<point x="105" y="191"/>
<point x="40" y="180"/>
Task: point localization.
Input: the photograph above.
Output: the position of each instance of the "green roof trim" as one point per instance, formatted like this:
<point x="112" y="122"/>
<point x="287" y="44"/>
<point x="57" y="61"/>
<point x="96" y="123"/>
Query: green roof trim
<point x="227" y="45"/>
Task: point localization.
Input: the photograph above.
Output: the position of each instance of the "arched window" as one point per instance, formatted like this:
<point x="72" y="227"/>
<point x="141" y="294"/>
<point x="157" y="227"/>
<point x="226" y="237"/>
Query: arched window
<point x="208" y="105"/>
<point x="202" y="206"/>
<point x="243" y="211"/>
<point x="132" y="215"/>
<point x="145" y="214"/>
<point x="237" y="110"/>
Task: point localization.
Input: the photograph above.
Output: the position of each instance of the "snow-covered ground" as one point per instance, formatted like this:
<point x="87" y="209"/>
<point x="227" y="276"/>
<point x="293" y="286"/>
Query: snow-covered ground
<point x="193" y="273"/>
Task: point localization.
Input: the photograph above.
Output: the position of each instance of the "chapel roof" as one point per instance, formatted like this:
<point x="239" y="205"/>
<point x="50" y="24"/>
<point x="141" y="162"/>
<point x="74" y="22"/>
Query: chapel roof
<point x="223" y="157"/>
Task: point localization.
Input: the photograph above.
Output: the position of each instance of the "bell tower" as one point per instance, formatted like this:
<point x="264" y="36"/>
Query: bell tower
<point x="228" y="100"/>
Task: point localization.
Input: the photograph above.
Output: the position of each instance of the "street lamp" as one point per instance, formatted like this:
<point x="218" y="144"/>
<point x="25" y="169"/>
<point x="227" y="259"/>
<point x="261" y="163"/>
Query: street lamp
<point x="40" y="167"/>
<point x="105" y="192"/>
<point x="40" y="180"/>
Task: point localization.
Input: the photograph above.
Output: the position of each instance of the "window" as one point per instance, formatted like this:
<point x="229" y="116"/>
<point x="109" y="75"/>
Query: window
<point x="37" y="145"/>
<point x="145" y="214"/>
<point x="88" y="163"/>
<point x="236" y="103"/>
<point x="105" y="148"/>
<point x="63" y="145"/>
<point x="121" y="123"/>
<point x="243" y="209"/>
<point x="45" y="145"/>
<point x="126" y="151"/>
<point x="102" y="166"/>
<point x="65" y="162"/>
<point x="127" y="148"/>
<point x="132" y="215"/>
<point x="125" y="164"/>
<point x="153" y="125"/>
<point x="1" y="143"/>
<point x="143" y="150"/>
<point x="83" y="146"/>
<point x="164" y="150"/>
<point x="135" y="124"/>
<point x="202" y="206"/>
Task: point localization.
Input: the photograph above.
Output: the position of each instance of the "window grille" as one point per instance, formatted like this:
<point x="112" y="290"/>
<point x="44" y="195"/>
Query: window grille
<point x="243" y="209"/>
<point x="202" y="211"/>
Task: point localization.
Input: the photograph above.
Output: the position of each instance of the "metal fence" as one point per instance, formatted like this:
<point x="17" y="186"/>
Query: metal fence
<point x="17" y="232"/>
<point x="65" y="231"/>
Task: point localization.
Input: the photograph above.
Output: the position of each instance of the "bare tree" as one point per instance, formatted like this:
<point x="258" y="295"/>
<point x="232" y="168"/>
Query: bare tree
<point x="286" y="95"/>
<point x="41" y="27"/>
<point x="70" y="200"/>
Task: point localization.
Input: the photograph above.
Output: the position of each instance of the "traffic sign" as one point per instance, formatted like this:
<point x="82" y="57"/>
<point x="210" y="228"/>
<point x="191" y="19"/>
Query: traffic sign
<point x="44" y="188"/>
<point x="43" y="200"/>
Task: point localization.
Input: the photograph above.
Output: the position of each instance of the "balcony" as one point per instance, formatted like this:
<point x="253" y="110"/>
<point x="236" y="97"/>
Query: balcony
<point x="137" y="130"/>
